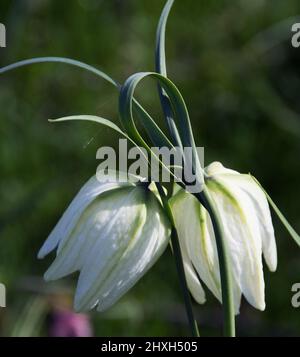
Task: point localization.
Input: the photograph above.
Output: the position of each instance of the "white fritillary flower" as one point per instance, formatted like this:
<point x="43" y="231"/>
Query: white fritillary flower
<point x="245" y="215"/>
<point x="112" y="232"/>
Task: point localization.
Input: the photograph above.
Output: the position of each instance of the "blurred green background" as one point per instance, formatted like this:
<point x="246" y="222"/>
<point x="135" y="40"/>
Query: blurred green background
<point x="240" y="76"/>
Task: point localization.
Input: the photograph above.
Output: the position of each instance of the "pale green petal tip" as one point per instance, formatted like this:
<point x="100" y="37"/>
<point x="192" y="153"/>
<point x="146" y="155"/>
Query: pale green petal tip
<point x="41" y="254"/>
<point x="48" y="276"/>
<point x="78" y="308"/>
<point x="260" y="306"/>
<point x="49" y="245"/>
<point x="217" y="168"/>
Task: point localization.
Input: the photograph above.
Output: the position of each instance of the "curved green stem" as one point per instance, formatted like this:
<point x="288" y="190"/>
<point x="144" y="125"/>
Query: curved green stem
<point x="225" y="271"/>
<point x="179" y="265"/>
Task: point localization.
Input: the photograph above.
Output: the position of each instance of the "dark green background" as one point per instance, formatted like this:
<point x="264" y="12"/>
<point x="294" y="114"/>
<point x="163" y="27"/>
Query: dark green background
<point x="240" y="77"/>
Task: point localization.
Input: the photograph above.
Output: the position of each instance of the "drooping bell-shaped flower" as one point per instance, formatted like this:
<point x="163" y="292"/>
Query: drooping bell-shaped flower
<point x="112" y="232"/>
<point x="245" y="215"/>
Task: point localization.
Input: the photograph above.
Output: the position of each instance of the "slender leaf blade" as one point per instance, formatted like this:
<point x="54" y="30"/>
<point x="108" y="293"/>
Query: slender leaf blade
<point x="280" y="215"/>
<point x="102" y="121"/>
<point x="161" y="67"/>
<point x="147" y="121"/>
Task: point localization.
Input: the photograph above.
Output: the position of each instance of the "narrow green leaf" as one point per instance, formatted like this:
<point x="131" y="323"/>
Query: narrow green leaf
<point x="69" y="61"/>
<point x="280" y="215"/>
<point x="93" y="118"/>
<point x="161" y="39"/>
<point x="147" y="121"/>
<point x="102" y="121"/>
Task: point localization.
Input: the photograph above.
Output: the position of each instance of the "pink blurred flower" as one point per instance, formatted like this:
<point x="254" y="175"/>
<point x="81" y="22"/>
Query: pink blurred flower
<point x="65" y="323"/>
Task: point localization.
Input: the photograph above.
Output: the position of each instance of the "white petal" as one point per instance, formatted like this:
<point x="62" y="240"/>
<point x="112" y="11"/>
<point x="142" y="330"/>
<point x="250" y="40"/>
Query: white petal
<point x="192" y="279"/>
<point x="191" y="276"/>
<point x="260" y="202"/>
<point x="241" y="227"/>
<point x="248" y="187"/>
<point x="197" y="241"/>
<point x="193" y="282"/>
<point x="139" y="257"/>
<point x="237" y="294"/>
<point x="93" y="224"/>
<point x="66" y="224"/>
<point x="200" y="248"/>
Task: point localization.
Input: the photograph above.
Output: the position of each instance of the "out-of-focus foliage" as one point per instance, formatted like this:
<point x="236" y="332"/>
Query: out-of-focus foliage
<point x="240" y="76"/>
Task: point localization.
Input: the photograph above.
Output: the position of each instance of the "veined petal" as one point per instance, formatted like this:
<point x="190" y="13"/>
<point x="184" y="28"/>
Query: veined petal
<point x="93" y="224"/>
<point x="145" y="248"/>
<point x="266" y="226"/>
<point x="193" y="281"/>
<point x="110" y="273"/>
<point x="241" y="227"/>
<point x="194" y="239"/>
<point x="191" y="276"/>
<point x="198" y="244"/>
<point x="68" y="221"/>
<point x="245" y="184"/>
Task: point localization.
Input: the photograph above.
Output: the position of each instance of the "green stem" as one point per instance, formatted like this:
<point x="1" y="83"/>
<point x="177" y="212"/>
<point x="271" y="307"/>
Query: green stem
<point x="186" y="295"/>
<point x="225" y="271"/>
<point x="179" y="265"/>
